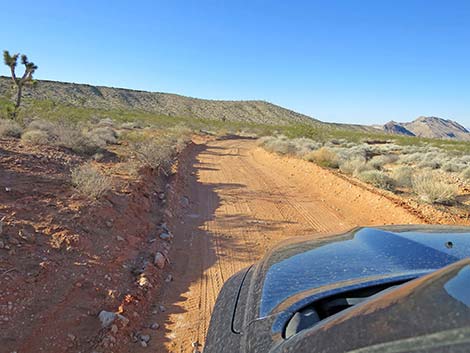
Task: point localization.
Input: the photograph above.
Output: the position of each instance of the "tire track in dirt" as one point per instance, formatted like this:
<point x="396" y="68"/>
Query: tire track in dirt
<point x="243" y="201"/>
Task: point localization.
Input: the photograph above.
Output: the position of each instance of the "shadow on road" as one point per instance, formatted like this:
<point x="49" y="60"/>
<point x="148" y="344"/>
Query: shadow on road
<point x="197" y="248"/>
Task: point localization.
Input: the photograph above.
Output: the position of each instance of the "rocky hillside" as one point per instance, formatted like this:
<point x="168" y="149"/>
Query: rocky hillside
<point x="431" y="127"/>
<point x="159" y="103"/>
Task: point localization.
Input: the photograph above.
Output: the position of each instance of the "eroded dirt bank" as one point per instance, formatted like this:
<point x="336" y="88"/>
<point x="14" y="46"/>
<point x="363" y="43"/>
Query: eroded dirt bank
<point x="233" y="201"/>
<point x="64" y="259"/>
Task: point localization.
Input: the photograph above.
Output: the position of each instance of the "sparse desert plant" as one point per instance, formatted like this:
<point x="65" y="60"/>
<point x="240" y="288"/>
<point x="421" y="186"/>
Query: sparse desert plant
<point x="430" y="163"/>
<point x="354" y="166"/>
<point x="19" y="81"/>
<point x="71" y="136"/>
<point x="412" y="158"/>
<point x="181" y="136"/>
<point x="35" y="137"/>
<point x="155" y="153"/>
<point x="378" y="162"/>
<point x="453" y="167"/>
<point x="103" y="136"/>
<point x="10" y="128"/>
<point x="324" y="157"/>
<point x="377" y="178"/>
<point x="280" y="145"/>
<point x="465" y="159"/>
<point x="107" y="122"/>
<point x="42" y="125"/>
<point x="433" y="191"/>
<point x="304" y="146"/>
<point x="89" y="181"/>
<point x="402" y="176"/>
<point x="131" y="125"/>
<point x="466" y="173"/>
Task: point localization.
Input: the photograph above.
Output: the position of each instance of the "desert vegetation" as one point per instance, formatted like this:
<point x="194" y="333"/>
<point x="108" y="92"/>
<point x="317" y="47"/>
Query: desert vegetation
<point x="430" y="173"/>
<point x="133" y="145"/>
<point x="11" y="60"/>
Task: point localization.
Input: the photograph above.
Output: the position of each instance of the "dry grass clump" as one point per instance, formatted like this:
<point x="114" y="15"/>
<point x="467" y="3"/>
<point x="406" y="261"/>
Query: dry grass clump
<point x="324" y="157"/>
<point x="466" y="173"/>
<point x="304" y="146"/>
<point x="354" y="166"/>
<point x="378" y="162"/>
<point x="429" y="163"/>
<point x="181" y="136"/>
<point x="79" y="138"/>
<point x="280" y="145"/>
<point x="453" y="167"/>
<point x="131" y="125"/>
<point x="42" y="125"/>
<point x="155" y="153"/>
<point x="10" y="128"/>
<point x="402" y="176"/>
<point x="35" y="137"/>
<point x="103" y="136"/>
<point x="377" y="178"/>
<point x="433" y="191"/>
<point x="105" y="122"/>
<point x="72" y="137"/>
<point x="89" y="181"/>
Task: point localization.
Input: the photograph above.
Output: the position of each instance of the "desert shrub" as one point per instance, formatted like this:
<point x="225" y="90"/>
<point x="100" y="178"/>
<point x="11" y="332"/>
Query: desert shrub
<point x="453" y="167"/>
<point x="103" y="136"/>
<point x="377" y="178"/>
<point x="433" y="191"/>
<point x="466" y="173"/>
<point x="155" y="153"/>
<point x="402" y="176"/>
<point x="465" y="159"/>
<point x="131" y="125"/>
<point x="280" y="145"/>
<point x="106" y="122"/>
<point x="42" y="125"/>
<point x="35" y="137"/>
<point x="89" y="181"/>
<point x="304" y="146"/>
<point x="354" y="166"/>
<point x="378" y="162"/>
<point x="412" y="158"/>
<point x="430" y="163"/>
<point x="72" y="137"/>
<point x="181" y="136"/>
<point x="10" y="128"/>
<point x="324" y="157"/>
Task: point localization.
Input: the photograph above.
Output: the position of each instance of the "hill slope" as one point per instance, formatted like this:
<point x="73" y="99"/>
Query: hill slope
<point x="159" y="103"/>
<point x="431" y="127"/>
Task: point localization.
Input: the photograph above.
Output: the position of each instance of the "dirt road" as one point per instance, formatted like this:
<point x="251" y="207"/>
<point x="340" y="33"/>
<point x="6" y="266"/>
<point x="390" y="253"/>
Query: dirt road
<point x="239" y="201"/>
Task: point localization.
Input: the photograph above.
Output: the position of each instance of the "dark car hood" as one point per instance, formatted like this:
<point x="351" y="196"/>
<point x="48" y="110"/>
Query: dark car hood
<point x="294" y="272"/>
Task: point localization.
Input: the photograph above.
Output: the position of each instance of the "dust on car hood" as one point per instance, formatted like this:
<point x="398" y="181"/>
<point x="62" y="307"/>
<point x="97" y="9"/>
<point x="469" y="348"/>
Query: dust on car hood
<point x="295" y="272"/>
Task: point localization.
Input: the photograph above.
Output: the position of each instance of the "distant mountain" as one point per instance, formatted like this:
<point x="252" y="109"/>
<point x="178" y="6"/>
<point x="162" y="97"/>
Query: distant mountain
<point x="397" y="128"/>
<point x="431" y="127"/>
<point x="83" y="95"/>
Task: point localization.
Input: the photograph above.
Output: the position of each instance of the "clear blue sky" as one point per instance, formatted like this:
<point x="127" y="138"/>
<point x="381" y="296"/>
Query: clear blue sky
<point x="356" y="61"/>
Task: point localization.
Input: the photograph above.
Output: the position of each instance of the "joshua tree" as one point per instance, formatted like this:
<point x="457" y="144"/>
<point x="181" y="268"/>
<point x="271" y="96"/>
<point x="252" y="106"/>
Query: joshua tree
<point x="11" y="61"/>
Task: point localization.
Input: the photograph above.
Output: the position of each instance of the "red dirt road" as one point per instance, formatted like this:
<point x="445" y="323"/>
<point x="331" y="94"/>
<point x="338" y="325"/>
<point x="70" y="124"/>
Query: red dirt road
<point x="234" y="202"/>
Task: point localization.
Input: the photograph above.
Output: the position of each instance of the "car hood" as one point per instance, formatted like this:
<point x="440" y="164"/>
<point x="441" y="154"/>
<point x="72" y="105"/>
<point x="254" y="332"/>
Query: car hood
<point x="295" y="272"/>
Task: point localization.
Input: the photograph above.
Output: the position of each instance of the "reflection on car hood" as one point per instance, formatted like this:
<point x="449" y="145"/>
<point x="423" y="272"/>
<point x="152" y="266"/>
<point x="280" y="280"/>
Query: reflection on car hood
<point x="363" y="254"/>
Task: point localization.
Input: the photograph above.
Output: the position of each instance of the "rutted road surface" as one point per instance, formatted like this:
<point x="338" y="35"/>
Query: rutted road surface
<point x="242" y="201"/>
